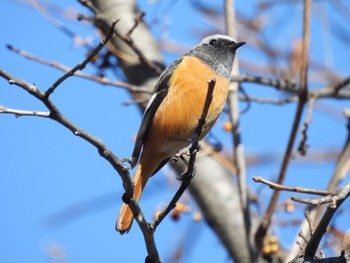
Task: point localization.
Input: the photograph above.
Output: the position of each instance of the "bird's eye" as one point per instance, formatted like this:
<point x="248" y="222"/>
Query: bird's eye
<point x="213" y="42"/>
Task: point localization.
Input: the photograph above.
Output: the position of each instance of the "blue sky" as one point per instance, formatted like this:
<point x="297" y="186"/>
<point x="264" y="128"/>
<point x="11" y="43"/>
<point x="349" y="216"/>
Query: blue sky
<point x="47" y="172"/>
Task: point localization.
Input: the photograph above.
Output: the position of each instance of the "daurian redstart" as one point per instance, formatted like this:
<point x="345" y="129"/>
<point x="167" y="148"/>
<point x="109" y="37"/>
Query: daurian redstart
<point x="174" y="109"/>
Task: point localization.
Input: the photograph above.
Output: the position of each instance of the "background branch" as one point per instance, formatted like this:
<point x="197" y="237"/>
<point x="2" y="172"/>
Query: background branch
<point x="82" y="65"/>
<point x="238" y="149"/>
<point x="303" y="93"/>
<point x="102" y="80"/>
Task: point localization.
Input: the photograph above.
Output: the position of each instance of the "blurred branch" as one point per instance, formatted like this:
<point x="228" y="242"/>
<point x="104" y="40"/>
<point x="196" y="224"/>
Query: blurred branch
<point x="82" y="65"/>
<point x="343" y="258"/>
<point x="129" y="41"/>
<point x="101" y="80"/>
<point x="336" y="200"/>
<point x="303" y="146"/>
<point x="338" y="90"/>
<point x="278" y="187"/>
<point x="342" y="168"/>
<point x="279" y="84"/>
<point x="303" y="93"/>
<point x="56" y="23"/>
<point x="238" y="149"/>
<point x="333" y="198"/>
<point x="268" y="100"/>
<point x="101" y="20"/>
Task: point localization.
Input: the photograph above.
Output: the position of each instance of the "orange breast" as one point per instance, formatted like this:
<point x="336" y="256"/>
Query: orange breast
<point x="177" y="116"/>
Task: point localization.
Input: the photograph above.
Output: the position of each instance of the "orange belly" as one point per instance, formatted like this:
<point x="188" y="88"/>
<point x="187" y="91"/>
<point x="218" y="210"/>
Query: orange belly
<point x="178" y="114"/>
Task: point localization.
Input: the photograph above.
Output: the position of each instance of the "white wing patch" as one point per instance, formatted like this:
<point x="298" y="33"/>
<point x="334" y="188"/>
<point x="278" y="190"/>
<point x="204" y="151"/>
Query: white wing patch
<point x="149" y="104"/>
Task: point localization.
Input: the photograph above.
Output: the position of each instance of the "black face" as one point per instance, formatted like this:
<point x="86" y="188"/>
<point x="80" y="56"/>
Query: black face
<point x="218" y="52"/>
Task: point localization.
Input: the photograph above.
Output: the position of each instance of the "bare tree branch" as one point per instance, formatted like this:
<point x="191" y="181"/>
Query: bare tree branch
<point x="333" y="91"/>
<point x="101" y="80"/>
<point x="342" y="168"/>
<point x="303" y="93"/>
<point x="41" y="9"/>
<point x="82" y="65"/>
<point x="341" y="259"/>
<point x="278" y="187"/>
<point x="303" y="146"/>
<point x="280" y="84"/>
<point x="19" y="113"/>
<point x="117" y="164"/>
<point x="313" y="243"/>
<point x="238" y="156"/>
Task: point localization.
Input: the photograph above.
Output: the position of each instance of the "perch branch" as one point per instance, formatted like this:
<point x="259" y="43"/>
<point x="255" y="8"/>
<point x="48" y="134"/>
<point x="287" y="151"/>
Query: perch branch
<point x="103" y="150"/>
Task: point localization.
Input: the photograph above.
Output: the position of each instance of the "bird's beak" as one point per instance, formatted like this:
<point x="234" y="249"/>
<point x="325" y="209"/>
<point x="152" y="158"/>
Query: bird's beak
<point x="238" y="45"/>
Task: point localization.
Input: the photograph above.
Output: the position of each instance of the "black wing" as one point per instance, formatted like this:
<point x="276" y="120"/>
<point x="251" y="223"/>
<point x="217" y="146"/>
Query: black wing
<point x="159" y="93"/>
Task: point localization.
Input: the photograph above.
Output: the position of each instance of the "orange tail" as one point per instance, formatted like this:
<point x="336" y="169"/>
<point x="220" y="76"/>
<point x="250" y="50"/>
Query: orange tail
<point x="125" y="216"/>
<point x="144" y="170"/>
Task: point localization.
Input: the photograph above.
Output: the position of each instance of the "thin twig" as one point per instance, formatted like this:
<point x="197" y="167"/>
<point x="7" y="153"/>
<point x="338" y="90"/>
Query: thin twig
<point x="279" y="187"/>
<point x="301" y="234"/>
<point x="340" y="194"/>
<point x="19" y="113"/>
<point x="341" y="84"/>
<point x="290" y="87"/>
<point x="82" y="65"/>
<point x="268" y="100"/>
<point x="56" y="23"/>
<point x="340" y="171"/>
<point x="321" y="229"/>
<point x="129" y="41"/>
<point x="309" y="221"/>
<point x="138" y="20"/>
<point x="303" y="94"/>
<point x="303" y="146"/>
<point x="56" y="65"/>
<point x="190" y="171"/>
<point x="280" y="84"/>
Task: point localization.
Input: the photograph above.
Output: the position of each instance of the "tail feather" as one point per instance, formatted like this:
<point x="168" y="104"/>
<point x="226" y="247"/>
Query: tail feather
<point x="125" y="217"/>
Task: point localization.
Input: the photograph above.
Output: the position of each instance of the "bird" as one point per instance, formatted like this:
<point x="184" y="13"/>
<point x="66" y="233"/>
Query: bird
<point x="173" y="111"/>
